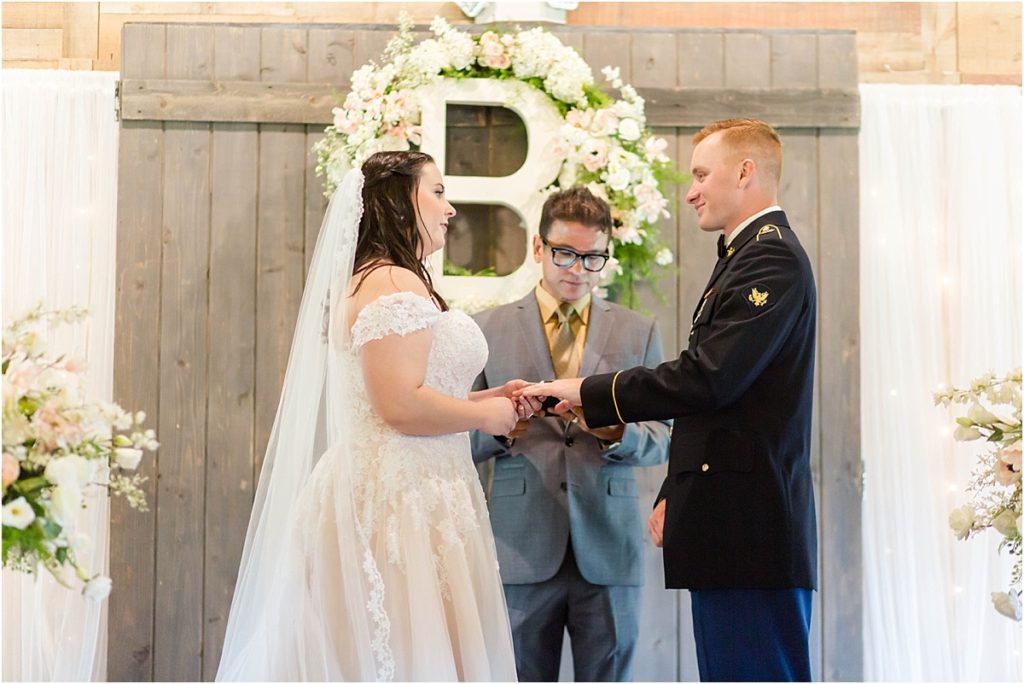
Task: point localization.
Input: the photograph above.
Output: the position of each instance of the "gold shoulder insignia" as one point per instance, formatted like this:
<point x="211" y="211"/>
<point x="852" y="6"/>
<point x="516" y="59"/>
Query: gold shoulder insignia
<point x="758" y="298"/>
<point x="768" y="228"/>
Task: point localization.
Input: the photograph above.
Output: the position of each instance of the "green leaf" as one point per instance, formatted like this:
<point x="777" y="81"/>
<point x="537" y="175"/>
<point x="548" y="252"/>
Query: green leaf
<point x="30" y="485"/>
<point x="49" y="527"/>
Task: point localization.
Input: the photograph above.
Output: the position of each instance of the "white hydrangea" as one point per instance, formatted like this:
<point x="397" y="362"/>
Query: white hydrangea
<point x="460" y="49"/>
<point x="567" y="77"/>
<point x="534" y="53"/>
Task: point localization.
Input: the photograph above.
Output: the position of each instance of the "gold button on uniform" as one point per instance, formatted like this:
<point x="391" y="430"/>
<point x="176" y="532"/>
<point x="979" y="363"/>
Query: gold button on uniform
<point x="705" y="467"/>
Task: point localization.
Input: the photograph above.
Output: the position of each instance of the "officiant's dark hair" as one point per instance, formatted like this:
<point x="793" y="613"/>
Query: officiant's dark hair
<point x="576" y="204"/>
<point x="389" y="229"/>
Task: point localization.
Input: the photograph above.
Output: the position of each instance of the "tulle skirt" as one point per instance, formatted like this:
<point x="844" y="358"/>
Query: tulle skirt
<point x="390" y="574"/>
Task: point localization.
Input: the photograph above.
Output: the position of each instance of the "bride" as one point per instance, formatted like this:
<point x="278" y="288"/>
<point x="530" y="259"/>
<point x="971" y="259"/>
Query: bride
<point x="369" y="554"/>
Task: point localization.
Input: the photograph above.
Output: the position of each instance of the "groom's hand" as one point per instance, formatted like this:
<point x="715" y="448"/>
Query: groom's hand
<point x="567" y="391"/>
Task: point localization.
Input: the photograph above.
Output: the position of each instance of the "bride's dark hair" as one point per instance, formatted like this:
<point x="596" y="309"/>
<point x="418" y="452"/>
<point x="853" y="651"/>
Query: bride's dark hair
<point x="389" y="229"/>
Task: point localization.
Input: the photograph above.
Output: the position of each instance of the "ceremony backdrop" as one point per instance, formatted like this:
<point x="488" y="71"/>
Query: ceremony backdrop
<point x="218" y="210"/>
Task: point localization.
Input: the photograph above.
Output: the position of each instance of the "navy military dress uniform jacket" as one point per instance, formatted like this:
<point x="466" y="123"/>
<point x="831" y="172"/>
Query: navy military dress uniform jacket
<point x="739" y="498"/>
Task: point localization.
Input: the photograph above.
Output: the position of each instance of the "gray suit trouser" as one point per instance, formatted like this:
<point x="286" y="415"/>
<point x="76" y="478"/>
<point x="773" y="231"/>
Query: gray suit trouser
<point x="602" y="622"/>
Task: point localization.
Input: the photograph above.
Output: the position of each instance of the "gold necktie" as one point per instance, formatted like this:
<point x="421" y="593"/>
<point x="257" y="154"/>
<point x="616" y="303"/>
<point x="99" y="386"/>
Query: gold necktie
<point x="563" y="345"/>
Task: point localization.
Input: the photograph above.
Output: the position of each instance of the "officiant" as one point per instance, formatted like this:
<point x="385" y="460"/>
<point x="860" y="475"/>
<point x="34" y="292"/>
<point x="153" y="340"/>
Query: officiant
<point x="563" y="500"/>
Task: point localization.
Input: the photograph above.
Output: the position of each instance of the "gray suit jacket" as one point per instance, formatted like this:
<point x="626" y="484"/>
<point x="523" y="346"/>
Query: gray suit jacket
<point x="553" y="481"/>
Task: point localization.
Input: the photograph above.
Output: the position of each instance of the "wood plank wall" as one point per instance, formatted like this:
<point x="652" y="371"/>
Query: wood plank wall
<point x="216" y="225"/>
<point x="909" y="42"/>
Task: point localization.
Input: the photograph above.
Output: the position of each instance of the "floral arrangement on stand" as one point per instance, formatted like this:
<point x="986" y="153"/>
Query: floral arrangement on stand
<point x="995" y="486"/>
<point x="604" y="142"/>
<point x="56" y="444"/>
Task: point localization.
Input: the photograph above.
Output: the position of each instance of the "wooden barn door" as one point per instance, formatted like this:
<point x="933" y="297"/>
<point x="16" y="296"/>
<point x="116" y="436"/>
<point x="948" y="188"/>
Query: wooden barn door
<point x="219" y="208"/>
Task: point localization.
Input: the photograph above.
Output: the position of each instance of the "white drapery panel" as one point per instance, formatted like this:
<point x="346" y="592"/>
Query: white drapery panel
<point x="59" y="152"/>
<point x="940" y="260"/>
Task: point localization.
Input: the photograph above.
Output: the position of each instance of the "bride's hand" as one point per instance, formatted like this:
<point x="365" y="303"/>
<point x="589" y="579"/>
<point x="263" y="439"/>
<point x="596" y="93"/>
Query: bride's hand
<point x="499" y="415"/>
<point x="529" y="406"/>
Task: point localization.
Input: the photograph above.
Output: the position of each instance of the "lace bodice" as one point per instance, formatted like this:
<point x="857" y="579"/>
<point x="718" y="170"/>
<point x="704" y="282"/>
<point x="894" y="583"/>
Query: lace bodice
<point x="458" y="352"/>
<point x="393" y="471"/>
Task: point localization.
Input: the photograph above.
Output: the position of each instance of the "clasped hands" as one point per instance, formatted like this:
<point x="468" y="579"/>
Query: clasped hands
<point x="535" y="399"/>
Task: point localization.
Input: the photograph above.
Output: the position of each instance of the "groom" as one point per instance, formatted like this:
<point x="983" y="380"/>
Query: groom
<point x="735" y="515"/>
<point x="563" y="500"/>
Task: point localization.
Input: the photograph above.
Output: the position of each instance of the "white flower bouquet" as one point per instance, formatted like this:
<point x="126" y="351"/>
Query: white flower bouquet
<point x="994" y="414"/>
<point x="604" y="144"/>
<point x="57" y="443"/>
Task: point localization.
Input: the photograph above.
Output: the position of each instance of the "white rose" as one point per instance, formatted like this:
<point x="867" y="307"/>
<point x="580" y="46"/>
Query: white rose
<point x="961" y="520"/>
<point x="1005" y="523"/>
<point x="663" y="257"/>
<point x="18" y="514"/>
<point x="63" y="471"/>
<point x="966" y="434"/>
<point x="98" y="588"/>
<point x="979" y="414"/>
<point x="629" y="129"/>
<point x="1007" y="604"/>
<point x="82" y="470"/>
<point x="67" y="502"/>
<point x="618" y="178"/>
<point x="127" y="457"/>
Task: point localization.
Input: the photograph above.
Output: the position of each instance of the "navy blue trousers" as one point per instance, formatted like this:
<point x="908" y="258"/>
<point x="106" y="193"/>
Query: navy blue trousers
<point x="746" y="635"/>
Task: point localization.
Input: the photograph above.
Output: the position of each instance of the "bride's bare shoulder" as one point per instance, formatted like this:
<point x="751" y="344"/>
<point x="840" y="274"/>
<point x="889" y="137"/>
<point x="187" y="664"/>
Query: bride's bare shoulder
<point x="379" y="280"/>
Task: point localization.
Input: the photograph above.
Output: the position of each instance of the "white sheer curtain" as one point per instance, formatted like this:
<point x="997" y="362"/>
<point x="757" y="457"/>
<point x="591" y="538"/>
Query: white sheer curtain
<point x="940" y="261"/>
<point x="59" y="152"/>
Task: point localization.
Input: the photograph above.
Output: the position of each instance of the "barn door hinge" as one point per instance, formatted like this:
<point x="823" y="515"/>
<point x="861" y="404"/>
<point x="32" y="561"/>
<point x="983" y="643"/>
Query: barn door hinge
<point x="117" y="100"/>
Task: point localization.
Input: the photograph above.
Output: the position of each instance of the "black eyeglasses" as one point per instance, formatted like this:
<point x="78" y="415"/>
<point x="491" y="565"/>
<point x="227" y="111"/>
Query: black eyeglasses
<point x="563" y="257"/>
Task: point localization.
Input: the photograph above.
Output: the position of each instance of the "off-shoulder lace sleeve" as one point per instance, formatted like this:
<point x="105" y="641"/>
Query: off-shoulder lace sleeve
<point x="400" y="313"/>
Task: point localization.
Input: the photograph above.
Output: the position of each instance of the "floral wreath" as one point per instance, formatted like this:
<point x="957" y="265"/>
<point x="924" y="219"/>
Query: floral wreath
<point x="604" y="142"/>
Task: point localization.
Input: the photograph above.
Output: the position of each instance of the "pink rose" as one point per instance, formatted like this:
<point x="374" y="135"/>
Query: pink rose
<point x="580" y="119"/>
<point x="595" y="154"/>
<point x="53" y="428"/>
<point x="11" y="470"/>
<point x="1008" y="465"/>
<point x="604" y="123"/>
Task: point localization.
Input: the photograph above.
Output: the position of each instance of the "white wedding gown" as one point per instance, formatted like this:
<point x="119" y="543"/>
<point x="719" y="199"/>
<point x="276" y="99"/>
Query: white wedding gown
<point x="390" y="563"/>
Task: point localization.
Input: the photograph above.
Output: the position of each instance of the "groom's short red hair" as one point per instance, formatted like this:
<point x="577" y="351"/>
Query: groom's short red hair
<point x="749" y="138"/>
